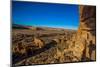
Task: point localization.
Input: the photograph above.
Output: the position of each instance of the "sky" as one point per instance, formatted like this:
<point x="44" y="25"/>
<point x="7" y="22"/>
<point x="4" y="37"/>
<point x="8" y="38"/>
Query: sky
<point x="45" y="14"/>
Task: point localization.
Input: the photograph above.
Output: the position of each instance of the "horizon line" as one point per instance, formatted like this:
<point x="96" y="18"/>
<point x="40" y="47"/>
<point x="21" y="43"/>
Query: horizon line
<point x="61" y="27"/>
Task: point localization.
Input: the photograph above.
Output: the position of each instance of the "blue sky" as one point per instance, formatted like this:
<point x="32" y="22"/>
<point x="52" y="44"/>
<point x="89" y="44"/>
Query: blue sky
<point x="45" y="14"/>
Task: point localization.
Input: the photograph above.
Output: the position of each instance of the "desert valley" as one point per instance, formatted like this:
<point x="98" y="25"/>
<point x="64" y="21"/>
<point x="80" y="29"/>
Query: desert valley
<point x="45" y="45"/>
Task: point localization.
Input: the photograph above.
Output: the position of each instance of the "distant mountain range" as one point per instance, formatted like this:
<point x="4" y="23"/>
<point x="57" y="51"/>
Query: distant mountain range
<point x="18" y="26"/>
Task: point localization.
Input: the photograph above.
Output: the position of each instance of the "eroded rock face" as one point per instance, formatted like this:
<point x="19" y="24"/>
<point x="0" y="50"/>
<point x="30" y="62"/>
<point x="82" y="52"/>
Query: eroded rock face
<point x="85" y="44"/>
<point x="75" y="46"/>
<point x="38" y="42"/>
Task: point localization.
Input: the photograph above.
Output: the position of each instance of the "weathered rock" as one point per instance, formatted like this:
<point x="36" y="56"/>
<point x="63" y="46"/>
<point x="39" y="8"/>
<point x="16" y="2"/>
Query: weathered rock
<point x="38" y="42"/>
<point x="85" y="45"/>
<point x="73" y="47"/>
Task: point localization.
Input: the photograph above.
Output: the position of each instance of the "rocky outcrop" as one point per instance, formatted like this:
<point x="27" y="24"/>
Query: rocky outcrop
<point x="47" y="48"/>
<point x="85" y="45"/>
<point x="38" y="42"/>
